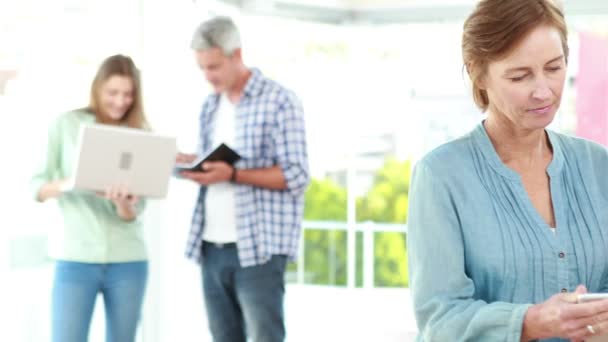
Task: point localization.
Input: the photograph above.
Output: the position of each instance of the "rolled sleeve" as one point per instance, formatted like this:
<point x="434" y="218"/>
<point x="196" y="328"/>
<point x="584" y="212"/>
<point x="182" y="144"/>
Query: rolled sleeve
<point x="290" y="143"/>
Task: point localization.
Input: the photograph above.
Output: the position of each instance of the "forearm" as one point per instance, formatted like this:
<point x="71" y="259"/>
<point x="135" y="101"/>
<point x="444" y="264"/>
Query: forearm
<point x="270" y="178"/>
<point x="50" y="190"/>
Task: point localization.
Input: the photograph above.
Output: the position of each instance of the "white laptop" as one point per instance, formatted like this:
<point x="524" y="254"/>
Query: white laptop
<point x="108" y="155"/>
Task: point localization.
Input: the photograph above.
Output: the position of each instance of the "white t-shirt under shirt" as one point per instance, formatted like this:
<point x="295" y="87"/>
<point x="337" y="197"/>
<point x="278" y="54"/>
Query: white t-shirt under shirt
<point x="220" y="214"/>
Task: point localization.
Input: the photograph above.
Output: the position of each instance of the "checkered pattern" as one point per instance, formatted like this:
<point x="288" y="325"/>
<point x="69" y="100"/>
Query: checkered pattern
<point x="269" y="132"/>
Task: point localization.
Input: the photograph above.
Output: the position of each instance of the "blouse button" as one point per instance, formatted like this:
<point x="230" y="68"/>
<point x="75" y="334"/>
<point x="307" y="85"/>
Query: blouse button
<point x="564" y="290"/>
<point x="561" y="255"/>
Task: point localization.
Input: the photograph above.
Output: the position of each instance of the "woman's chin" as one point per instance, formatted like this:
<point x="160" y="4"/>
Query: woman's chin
<point x="540" y="122"/>
<point x="114" y="116"/>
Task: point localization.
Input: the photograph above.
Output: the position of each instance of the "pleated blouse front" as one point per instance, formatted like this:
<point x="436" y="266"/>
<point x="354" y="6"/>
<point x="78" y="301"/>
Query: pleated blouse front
<point x="480" y="253"/>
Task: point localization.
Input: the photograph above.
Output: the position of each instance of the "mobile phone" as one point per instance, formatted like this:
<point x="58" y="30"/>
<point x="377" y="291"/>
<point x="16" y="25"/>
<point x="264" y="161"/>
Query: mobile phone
<point x="590" y="297"/>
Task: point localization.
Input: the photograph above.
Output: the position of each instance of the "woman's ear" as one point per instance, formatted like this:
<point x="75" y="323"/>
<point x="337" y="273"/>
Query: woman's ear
<point x="481" y="82"/>
<point x="475" y="76"/>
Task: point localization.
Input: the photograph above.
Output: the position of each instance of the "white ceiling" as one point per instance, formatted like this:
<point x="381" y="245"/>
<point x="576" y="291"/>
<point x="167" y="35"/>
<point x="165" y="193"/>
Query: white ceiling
<point x="386" y="11"/>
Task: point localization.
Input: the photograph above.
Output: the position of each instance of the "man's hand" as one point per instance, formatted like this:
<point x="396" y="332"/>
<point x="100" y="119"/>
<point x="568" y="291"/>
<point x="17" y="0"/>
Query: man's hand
<point x="184" y="158"/>
<point x="212" y="173"/>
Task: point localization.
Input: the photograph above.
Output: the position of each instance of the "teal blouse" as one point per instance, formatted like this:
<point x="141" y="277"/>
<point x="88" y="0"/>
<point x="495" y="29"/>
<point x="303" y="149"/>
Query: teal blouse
<point x="92" y="231"/>
<point x="479" y="252"/>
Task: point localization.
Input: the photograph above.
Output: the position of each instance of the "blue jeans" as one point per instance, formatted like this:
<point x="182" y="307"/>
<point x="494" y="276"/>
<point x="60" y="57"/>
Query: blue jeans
<point x="243" y="301"/>
<point x="75" y="289"/>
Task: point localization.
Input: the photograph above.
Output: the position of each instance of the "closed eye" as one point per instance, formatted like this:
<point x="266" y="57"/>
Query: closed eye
<point x="519" y="78"/>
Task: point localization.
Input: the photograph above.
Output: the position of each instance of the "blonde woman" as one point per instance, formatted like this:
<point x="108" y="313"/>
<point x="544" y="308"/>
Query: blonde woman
<point x="99" y="248"/>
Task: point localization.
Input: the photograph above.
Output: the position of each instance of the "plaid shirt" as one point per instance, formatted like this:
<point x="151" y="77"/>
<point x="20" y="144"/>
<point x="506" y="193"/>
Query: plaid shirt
<point x="269" y="132"/>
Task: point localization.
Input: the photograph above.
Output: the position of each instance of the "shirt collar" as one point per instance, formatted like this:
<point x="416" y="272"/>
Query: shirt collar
<point x="253" y="87"/>
<point x="254" y="84"/>
<point x="485" y="144"/>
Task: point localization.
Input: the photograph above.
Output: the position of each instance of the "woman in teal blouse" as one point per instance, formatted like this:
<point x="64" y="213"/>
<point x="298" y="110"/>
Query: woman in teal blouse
<point x="508" y="224"/>
<point x="100" y="247"/>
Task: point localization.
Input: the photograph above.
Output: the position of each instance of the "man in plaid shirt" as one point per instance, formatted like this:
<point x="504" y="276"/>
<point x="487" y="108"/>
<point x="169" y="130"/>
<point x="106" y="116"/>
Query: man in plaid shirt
<point x="247" y="220"/>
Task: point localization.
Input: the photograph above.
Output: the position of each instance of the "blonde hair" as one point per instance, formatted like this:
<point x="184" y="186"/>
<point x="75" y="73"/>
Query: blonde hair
<point x="119" y="65"/>
<point x="496" y="26"/>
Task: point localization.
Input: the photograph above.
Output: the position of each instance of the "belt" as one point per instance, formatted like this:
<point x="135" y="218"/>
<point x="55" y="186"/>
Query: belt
<point x="220" y="245"/>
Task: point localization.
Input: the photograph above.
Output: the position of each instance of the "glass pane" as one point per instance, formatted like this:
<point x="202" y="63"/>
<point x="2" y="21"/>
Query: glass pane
<point x="325" y="257"/>
<point x="390" y="259"/>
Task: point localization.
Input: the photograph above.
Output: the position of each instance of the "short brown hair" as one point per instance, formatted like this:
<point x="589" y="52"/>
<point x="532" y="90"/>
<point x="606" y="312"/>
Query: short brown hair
<point x="120" y="65"/>
<point x="496" y="26"/>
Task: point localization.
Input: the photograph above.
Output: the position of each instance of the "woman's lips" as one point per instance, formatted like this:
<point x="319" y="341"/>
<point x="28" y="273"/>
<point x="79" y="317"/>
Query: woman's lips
<point x="541" y="110"/>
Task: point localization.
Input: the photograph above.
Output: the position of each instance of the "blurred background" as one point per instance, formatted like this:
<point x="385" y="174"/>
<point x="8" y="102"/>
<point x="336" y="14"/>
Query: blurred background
<point x="382" y="83"/>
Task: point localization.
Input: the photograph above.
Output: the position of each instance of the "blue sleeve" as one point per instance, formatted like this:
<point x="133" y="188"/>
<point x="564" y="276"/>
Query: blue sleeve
<point x="442" y="293"/>
<point x="289" y="137"/>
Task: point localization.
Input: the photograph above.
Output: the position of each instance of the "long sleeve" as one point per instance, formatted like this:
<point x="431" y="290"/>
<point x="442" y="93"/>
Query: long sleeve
<point x="443" y="294"/>
<point x="290" y="143"/>
<point x="48" y="167"/>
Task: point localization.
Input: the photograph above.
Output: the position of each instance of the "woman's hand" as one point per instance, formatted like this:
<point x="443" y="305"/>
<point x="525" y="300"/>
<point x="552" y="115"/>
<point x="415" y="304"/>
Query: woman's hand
<point x="123" y="199"/>
<point x="561" y="316"/>
<point x="55" y="189"/>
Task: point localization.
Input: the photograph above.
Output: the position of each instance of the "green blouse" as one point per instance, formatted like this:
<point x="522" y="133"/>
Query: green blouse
<point x="92" y="231"/>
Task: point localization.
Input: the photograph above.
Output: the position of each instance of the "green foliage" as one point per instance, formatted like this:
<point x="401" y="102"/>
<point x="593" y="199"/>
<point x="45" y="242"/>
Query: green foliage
<point x="386" y="202"/>
<point x="325" y="257"/>
<point x="325" y="254"/>
<point x="325" y="201"/>
<point x="390" y="264"/>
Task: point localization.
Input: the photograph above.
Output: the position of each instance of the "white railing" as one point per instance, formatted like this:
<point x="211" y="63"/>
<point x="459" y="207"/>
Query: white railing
<point x="367" y="228"/>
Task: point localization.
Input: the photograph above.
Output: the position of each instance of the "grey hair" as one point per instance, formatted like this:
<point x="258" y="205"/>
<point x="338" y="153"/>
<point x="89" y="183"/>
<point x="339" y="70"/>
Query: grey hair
<point x="218" y="32"/>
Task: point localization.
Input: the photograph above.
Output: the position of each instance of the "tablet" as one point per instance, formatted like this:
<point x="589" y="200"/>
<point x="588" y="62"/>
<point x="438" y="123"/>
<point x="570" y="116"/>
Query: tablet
<point x="109" y="155"/>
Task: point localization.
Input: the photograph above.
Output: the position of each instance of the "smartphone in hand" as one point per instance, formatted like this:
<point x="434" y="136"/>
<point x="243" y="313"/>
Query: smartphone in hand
<point x="590" y="297"/>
